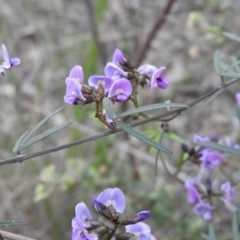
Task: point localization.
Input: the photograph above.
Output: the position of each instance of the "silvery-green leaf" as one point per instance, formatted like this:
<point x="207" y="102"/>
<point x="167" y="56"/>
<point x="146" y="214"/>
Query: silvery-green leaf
<point x="220" y="147"/>
<point x="235" y="230"/>
<point x="19" y="141"/>
<point x="43" y="135"/>
<point x="236" y="63"/>
<point x="232" y="36"/>
<point x="231" y="74"/>
<point x="141" y="137"/>
<point x="151" y="107"/>
<point x="107" y="107"/>
<point x="11" y="223"/>
<point x="211" y="232"/>
<point x="238" y="113"/>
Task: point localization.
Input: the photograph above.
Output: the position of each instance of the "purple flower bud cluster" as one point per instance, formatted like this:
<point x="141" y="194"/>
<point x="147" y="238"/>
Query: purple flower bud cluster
<point x="201" y="190"/>
<point x="110" y="204"/>
<point x="119" y="82"/>
<point x="7" y="61"/>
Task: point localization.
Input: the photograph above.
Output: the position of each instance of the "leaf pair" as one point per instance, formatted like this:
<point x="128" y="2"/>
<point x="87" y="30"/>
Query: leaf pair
<point x="24" y="141"/>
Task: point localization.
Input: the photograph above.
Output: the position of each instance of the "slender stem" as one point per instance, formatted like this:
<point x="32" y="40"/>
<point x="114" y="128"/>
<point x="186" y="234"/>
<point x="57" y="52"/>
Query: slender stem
<point x="21" y="158"/>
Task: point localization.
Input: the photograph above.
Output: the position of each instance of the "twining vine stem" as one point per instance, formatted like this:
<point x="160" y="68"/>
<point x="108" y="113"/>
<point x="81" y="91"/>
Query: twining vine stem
<point x="21" y="158"/>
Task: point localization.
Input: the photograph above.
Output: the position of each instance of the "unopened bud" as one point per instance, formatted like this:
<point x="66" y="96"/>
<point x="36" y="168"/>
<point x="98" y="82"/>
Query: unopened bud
<point x="103" y="210"/>
<point x="100" y="231"/>
<point x="185" y="147"/>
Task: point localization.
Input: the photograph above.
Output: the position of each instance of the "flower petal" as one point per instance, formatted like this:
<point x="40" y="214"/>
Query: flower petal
<point x="83" y="214"/>
<point x="143" y="215"/>
<point x="155" y="76"/>
<point x="121" y="86"/>
<point x="238" y="98"/>
<point x="5" y="53"/>
<point x="15" y="62"/>
<point x="114" y="197"/>
<point x="112" y="70"/>
<point x="77" y="73"/>
<point x="106" y="82"/>
<point x="147" y="68"/>
<point x="118" y="57"/>
<point x="141" y="231"/>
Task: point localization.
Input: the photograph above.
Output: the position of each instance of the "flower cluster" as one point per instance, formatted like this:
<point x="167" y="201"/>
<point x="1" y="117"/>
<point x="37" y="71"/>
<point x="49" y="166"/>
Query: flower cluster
<point x="110" y="204"/>
<point x="7" y="61"/>
<point x="119" y="83"/>
<point x="202" y="189"/>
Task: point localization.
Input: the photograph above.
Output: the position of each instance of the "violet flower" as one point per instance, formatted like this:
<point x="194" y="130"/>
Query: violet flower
<point x="238" y="98"/>
<point x="80" y="222"/>
<point x="204" y="209"/>
<point x="159" y="80"/>
<point x="118" y="57"/>
<point x="140" y="230"/>
<point x="113" y="198"/>
<point x="197" y="138"/>
<point x="7" y="61"/>
<point x="74" y="86"/>
<point x="194" y="196"/>
<point x="106" y="82"/>
<point x="210" y="159"/>
<point x="120" y="90"/>
<point x="228" y="191"/>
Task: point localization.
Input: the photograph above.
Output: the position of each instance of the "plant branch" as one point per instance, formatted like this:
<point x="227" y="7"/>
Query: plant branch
<point x="158" y="24"/>
<point x="21" y="158"/>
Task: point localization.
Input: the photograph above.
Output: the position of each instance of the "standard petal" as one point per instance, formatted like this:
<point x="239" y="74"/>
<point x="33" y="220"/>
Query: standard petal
<point x="121" y="86"/>
<point x="141" y="231"/>
<point x="112" y="70"/>
<point x="147" y="68"/>
<point x="83" y="214"/>
<point x="77" y="73"/>
<point x="114" y="197"/>
<point x="106" y="82"/>
<point x="15" y="62"/>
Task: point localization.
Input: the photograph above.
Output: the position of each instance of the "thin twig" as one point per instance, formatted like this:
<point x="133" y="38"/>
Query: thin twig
<point x="94" y="30"/>
<point x="12" y="236"/>
<point x="158" y="24"/>
<point x="21" y="158"/>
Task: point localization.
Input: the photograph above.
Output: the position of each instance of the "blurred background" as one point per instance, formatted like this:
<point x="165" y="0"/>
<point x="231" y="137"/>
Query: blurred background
<point x="50" y="37"/>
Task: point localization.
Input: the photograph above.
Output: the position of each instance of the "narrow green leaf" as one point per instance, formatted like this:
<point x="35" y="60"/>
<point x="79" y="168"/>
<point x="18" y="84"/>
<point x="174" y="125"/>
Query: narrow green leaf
<point x="211" y="232"/>
<point x="220" y="147"/>
<point x="35" y="128"/>
<point x="141" y="137"/>
<point x="235" y="231"/>
<point x="19" y="141"/>
<point x="43" y="135"/>
<point x="216" y="62"/>
<point x="236" y="63"/>
<point x="232" y="36"/>
<point x="231" y="74"/>
<point x="107" y="107"/>
<point x="174" y="137"/>
<point x="156" y="138"/>
<point x="11" y="223"/>
<point x="150" y="108"/>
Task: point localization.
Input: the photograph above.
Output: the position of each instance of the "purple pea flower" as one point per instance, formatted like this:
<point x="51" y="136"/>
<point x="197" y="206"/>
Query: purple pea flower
<point x="159" y="80"/>
<point x="140" y="230"/>
<point x="80" y="222"/>
<point x="120" y="90"/>
<point x="238" y="98"/>
<point x="193" y="194"/>
<point x="7" y="61"/>
<point x="74" y="86"/>
<point x="111" y="197"/>
<point x="118" y="57"/>
<point x="210" y="159"/>
<point x="143" y="215"/>
<point x="113" y="71"/>
<point x="204" y="209"/>
<point x="228" y="190"/>
<point x="105" y="82"/>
